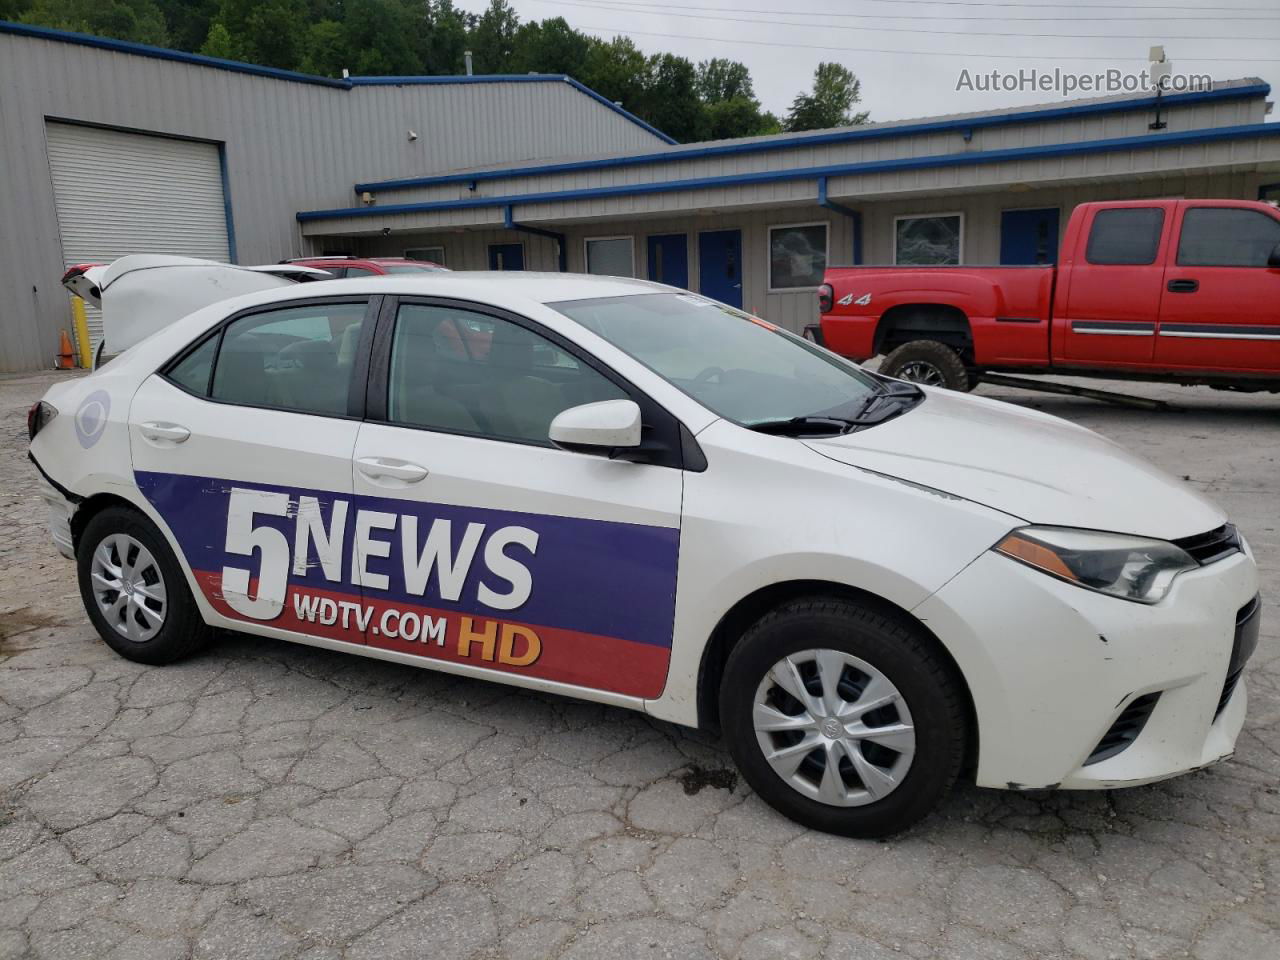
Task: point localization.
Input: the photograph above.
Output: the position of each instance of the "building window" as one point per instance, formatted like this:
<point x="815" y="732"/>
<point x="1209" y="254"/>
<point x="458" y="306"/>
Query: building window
<point x="797" y="256"/>
<point x="429" y="254"/>
<point x="1125" y="236"/>
<point x="611" y="256"/>
<point x="933" y="240"/>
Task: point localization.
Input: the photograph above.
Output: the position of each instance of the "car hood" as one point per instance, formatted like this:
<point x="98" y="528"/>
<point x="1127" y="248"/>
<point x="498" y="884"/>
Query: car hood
<point x="1040" y="468"/>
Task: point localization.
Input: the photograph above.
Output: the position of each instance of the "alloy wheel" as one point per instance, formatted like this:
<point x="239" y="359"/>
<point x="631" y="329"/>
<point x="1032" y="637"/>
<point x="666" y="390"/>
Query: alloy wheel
<point x="921" y="371"/>
<point x="129" y="587"/>
<point x="834" y="728"/>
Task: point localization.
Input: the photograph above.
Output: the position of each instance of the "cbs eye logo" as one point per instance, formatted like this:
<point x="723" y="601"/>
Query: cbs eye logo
<point x="91" y="418"/>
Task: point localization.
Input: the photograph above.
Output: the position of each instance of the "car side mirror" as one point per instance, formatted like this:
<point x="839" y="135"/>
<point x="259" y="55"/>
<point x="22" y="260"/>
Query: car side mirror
<point x="1274" y="259"/>
<point x="599" y="428"/>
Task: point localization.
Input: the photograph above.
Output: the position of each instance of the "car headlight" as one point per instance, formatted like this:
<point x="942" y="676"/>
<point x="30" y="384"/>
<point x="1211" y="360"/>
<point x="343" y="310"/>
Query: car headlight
<point x="1131" y="568"/>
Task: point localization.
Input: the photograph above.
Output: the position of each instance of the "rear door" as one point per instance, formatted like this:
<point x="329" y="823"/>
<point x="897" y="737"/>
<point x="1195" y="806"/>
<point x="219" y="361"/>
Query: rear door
<point x="481" y="544"/>
<point x="1116" y="281"/>
<point x="1221" y="307"/>
<point x="243" y="445"/>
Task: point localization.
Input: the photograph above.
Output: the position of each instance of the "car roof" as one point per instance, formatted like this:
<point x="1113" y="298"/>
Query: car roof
<point x="488" y="286"/>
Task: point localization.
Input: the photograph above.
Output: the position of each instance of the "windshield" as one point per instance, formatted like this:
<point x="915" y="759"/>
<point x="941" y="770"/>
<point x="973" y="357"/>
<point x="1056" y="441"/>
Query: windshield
<point x="739" y="366"/>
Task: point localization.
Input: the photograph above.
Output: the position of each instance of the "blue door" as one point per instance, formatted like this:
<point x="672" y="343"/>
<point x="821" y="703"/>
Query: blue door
<point x="720" y="266"/>
<point x="669" y="259"/>
<point x="1028" y="237"/>
<point x="506" y="256"/>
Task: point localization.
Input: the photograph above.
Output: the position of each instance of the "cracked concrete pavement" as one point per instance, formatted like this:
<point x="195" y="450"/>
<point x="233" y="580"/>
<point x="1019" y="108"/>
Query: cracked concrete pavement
<point x="269" y="800"/>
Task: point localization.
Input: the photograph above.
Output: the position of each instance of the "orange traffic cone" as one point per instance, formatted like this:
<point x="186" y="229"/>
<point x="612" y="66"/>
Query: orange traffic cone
<point x="66" y="358"/>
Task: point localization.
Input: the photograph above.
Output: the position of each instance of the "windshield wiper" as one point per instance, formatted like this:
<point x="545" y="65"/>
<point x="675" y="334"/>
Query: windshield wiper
<point x="874" y="408"/>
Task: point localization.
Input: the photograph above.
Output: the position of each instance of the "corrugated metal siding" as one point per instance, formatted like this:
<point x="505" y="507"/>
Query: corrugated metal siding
<point x="289" y="146"/>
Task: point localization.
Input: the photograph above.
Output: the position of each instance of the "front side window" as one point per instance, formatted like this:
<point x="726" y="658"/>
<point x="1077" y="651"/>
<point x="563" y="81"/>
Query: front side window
<point x="1226" y="237"/>
<point x="797" y="256"/>
<point x="928" y="241"/>
<point x="297" y="358"/>
<point x="611" y="256"/>
<point x="738" y="366"/>
<point x="1125" y="236"/>
<point x="465" y="372"/>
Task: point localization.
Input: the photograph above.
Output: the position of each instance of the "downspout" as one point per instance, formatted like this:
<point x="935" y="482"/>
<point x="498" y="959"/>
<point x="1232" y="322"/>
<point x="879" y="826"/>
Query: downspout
<point x="855" y="218"/>
<point x="561" y="244"/>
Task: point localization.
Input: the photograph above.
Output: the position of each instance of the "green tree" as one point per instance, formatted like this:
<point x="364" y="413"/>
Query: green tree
<point x="493" y="41"/>
<point x="720" y="79"/>
<point x="670" y="101"/>
<point x="616" y="70"/>
<point x="188" y="21"/>
<point x="551" y="46"/>
<point x="444" y="38"/>
<point x="830" y="103"/>
<point x="137" y="20"/>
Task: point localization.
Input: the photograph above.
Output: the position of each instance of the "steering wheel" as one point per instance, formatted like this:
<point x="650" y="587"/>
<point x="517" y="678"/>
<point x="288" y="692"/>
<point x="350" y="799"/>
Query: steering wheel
<point x="705" y="375"/>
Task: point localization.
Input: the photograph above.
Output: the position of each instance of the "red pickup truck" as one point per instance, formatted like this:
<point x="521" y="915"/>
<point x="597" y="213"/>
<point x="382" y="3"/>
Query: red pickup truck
<point x="1181" y="291"/>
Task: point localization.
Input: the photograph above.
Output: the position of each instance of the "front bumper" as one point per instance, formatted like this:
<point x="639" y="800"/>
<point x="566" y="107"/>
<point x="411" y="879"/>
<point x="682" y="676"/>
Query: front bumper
<point x="59" y="511"/>
<point x="1052" y="666"/>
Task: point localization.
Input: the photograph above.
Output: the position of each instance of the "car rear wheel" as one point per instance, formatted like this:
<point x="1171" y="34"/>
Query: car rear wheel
<point x="134" y="590"/>
<point x="928" y="362"/>
<point x="842" y="718"/>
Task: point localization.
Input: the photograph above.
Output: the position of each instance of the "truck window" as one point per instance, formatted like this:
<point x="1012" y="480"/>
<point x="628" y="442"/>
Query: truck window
<point x="1227" y="237"/>
<point x="1127" y="235"/>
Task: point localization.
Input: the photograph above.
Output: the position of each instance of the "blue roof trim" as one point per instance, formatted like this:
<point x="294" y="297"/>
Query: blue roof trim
<point x="769" y="176"/>
<point x="582" y="88"/>
<point x="162" y="53"/>
<point x="235" y="66"/>
<point x="819" y="139"/>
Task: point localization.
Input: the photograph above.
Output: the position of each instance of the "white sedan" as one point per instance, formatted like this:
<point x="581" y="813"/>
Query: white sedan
<point x="630" y="494"/>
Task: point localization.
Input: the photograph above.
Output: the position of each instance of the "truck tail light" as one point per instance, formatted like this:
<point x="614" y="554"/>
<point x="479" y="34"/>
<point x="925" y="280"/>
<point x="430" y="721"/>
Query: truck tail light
<point x="38" y="417"/>
<point x="826" y="298"/>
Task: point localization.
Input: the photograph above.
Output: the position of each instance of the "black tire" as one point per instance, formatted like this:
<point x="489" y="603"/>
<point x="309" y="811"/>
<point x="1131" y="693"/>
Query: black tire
<point x="183" y="630"/>
<point x="905" y="656"/>
<point x="928" y="362"/>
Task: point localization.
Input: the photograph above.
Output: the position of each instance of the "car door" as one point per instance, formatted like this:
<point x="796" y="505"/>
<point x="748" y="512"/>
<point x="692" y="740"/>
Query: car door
<point x="480" y="544"/>
<point x="243" y="445"/>
<point x="1113" y="301"/>
<point x="1221" y="306"/>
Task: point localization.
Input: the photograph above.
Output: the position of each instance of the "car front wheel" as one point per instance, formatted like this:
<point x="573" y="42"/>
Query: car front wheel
<point x="134" y="590"/>
<point x="843" y="718"/>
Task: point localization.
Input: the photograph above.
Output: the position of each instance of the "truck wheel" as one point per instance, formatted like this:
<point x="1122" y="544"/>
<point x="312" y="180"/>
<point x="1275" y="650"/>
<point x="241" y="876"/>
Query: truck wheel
<point x="929" y="362"/>
<point x="842" y="718"/>
<point x="134" y="590"/>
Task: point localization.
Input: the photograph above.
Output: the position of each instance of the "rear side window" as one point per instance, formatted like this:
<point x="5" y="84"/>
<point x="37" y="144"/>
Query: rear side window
<point x="298" y="358"/>
<point x="465" y="372"/>
<point x="1125" y="236"/>
<point x="1227" y="237"/>
<point x="192" y="371"/>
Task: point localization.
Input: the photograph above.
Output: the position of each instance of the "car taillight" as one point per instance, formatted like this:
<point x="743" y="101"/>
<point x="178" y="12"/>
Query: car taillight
<point x="38" y="417"/>
<point x="825" y="298"/>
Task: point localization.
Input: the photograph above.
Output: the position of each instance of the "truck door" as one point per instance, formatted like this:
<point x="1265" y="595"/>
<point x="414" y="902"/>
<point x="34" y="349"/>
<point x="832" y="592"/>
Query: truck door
<point x="1221" y="306"/>
<point x="1115" y="283"/>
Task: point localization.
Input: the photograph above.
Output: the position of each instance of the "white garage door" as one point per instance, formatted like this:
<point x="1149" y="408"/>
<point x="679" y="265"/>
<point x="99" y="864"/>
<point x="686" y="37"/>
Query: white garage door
<point x="119" y="193"/>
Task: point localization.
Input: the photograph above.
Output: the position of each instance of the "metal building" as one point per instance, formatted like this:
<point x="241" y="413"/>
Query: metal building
<point x="109" y="148"/>
<point x="753" y="222"/>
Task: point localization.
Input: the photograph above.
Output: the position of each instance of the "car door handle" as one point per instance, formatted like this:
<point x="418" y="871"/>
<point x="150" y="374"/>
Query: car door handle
<point x="161" y="432"/>
<point x="379" y="468"/>
<point x="1184" y="286"/>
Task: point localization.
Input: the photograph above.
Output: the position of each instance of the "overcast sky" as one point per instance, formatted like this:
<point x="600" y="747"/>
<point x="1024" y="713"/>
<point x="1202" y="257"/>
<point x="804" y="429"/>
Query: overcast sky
<point x="910" y="54"/>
